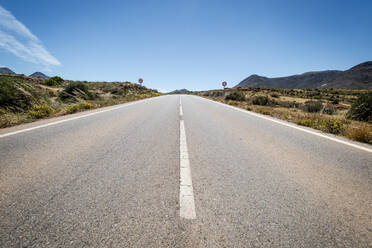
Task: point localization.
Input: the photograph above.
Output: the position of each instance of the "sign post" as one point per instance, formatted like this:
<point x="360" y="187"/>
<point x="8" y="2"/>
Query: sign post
<point x="140" y="81"/>
<point x="224" y="84"/>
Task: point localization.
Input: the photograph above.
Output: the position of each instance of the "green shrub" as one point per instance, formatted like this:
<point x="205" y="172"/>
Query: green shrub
<point x="71" y="109"/>
<point x="312" y="106"/>
<point x="330" y="126"/>
<point x="288" y="104"/>
<point x="334" y="100"/>
<point x="85" y="105"/>
<point x="40" y="111"/>
<point x="264" y="111"/>
<point x="76" y="86"/>
<point x="77" y="107"/>
<point x="216" y="93"/>
<point x="260" y="100"/>
<point x="16" y="94"/>
<point x="54" y="81"/>
<point x="361" y="109"/>
<point x="74" y="91"/>
<point x="329" y="109"/>
<point x="235" y="96"/>
<point x="275" y="95"/>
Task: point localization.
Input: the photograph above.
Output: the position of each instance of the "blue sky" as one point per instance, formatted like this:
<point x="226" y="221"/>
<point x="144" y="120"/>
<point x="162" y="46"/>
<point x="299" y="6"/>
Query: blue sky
<point x="189" y="44"/>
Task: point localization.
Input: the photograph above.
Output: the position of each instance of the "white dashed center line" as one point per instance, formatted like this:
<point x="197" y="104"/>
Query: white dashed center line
<point x="187" y="204"/>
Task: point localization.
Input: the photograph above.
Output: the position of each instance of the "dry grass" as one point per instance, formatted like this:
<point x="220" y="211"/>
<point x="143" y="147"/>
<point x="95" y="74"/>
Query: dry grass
<point x="361" y="132"/>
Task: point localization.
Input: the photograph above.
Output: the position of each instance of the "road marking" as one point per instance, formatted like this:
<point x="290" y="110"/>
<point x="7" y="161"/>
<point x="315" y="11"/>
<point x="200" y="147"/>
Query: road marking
<point x="187" y="203"/>
<point x="70" y="119"/>
<point x="294" y="126"/>
<point x="181" y="111"/>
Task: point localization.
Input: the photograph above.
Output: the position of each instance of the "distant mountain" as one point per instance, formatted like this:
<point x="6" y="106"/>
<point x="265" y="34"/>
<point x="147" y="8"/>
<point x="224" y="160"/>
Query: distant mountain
<point x="357" y="77"/>
<point x="181" y="91"/>
<point x="38" y="75"/>
<point x="5" y="70"/>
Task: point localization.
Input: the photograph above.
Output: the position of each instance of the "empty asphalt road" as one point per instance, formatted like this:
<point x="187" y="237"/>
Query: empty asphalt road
<point x="181" y="171"/>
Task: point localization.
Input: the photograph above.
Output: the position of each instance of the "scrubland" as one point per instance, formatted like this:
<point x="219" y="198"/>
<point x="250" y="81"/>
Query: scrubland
<point x="26" y="99"/>
<point x="338" y="111"/>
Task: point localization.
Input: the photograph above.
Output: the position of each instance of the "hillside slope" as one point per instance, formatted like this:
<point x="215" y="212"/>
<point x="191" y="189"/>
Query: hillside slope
<point x="358" y="77"/>
<point x="24" y="99"/>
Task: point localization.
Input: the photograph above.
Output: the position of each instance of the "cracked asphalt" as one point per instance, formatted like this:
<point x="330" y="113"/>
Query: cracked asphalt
<point x="112" y="180"/>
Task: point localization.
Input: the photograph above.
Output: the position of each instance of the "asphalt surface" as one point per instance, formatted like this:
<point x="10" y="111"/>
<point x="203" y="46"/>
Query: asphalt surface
<point x="112" y="179"/>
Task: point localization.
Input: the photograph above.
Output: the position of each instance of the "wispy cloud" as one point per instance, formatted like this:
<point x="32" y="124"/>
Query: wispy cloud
<point x="18" y="39"/>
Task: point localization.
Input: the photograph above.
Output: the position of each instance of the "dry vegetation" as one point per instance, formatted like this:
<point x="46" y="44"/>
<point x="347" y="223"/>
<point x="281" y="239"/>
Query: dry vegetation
<point x="25" y="99"/>
<point x="337" y="111"/>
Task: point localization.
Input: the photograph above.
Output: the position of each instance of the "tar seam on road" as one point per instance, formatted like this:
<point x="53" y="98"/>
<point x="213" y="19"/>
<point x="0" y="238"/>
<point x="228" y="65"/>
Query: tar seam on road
<point x="69" y="119"/>
<point x="296" y="127"/>
<point x="187" y="203"/>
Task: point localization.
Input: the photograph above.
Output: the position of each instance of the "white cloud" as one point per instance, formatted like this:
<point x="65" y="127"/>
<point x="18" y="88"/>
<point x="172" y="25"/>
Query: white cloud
<point x="28" y="47"/>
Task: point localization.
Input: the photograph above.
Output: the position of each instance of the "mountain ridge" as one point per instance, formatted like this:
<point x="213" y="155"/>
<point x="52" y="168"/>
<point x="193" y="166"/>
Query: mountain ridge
<point x="357" y="77"/>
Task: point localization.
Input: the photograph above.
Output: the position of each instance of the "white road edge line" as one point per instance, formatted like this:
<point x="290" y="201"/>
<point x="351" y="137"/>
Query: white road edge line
<point x="187" y="203"/>
<point x="294" y="126"/>
<point x="71" y="119"/>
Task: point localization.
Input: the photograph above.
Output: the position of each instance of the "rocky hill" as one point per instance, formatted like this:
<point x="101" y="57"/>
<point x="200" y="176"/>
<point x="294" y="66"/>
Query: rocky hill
<point x="38" y="75"/>
<point x="181" y="91"/>
<point x="357" y="77"/>
<point x="5" y="70"/>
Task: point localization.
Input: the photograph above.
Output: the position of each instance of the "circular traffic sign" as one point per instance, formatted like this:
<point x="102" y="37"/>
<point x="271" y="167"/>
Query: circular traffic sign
<point x="140" y="80"/>
<point x="224" y="83"/>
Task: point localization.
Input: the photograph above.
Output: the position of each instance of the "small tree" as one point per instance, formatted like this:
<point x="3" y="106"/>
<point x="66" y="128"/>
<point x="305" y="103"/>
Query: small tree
<point x="236" y="96"/>
<point x="361" y="109"/>
<point x="54" y="81"/>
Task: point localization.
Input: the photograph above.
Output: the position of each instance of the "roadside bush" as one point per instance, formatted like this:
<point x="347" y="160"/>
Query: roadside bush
<point x="288" y="104"/>
<point x="54" y="81"/>
<point x="312" y="106"/>
<point x="15" y="95"/>
<point x="361" y="109"/>
<point x="362" y="133"/>
<point x="330" y="126"/>
<point x="77" y="86"/>
<point x="216" y="93"/>
<point x="71" y="109"/>
<point x="275" y="95"/>
<point x="232" y="102"/>
<point x="329" y="109"/>
<point x="76" y="90"/>
<point x="264" y="111"/>
<point x="334" y="100"/>
<point x="235" y="96"/>
<point x="260" y="100"/>
<point x="77" y="107"/>
<point x="40" y="111"/>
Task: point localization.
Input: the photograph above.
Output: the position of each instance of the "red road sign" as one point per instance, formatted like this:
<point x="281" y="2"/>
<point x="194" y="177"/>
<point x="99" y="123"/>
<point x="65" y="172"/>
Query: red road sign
<point x="224" y="83"/>
<point x="140" y="80"/>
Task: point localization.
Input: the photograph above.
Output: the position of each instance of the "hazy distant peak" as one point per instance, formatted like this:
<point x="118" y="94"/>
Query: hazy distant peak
<point x="38" y="75"/>
<point x="6" y="70"/>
